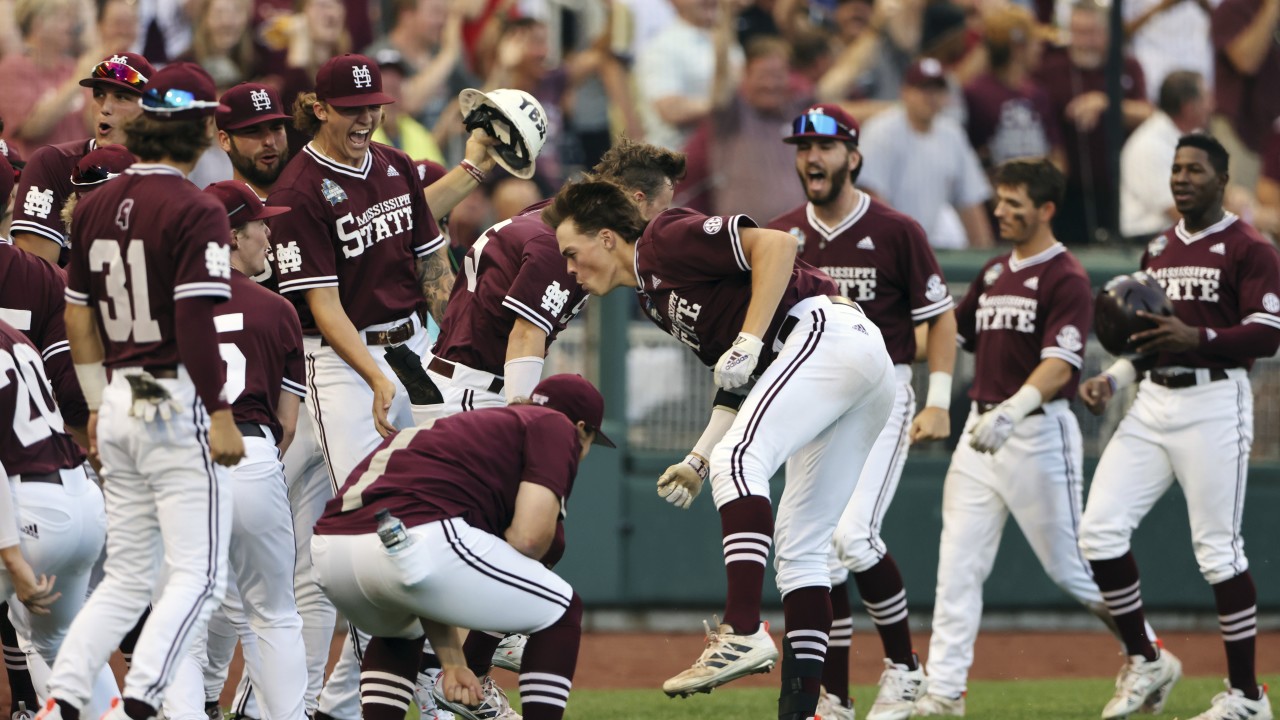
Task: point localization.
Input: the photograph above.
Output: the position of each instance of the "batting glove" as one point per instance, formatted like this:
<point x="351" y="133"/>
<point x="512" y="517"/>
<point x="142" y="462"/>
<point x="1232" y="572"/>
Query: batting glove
<point x="150" y="398"/>
<point x="739" y="361"/>
<point x="993" y="429"/>
<point x="682" y="482"/>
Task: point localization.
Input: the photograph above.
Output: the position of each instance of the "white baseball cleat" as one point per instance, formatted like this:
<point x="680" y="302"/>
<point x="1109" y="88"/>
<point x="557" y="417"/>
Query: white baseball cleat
<point x="830" y="708"/>
<point x="900" y="688"/>
<point x="938" y="706"/>
<point x="1143" y="685"/>
<point x="22" y="713"/>
<point x="50" y="711"/>
<point x="510" y="652"/>
<point x="116" y="712"/>
<point x="428" y="709"/>
<point x="494" y="706"/>
<point x="728" y="656"/>
<point x="1233" y="705"/>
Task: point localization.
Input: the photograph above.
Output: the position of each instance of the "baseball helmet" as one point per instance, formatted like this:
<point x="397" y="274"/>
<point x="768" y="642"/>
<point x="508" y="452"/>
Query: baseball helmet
<point x="1115" y="311"/>
<point x="515" y="118"/>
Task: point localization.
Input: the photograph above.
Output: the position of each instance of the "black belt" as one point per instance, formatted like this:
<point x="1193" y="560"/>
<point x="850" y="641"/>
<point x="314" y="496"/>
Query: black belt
<point x="53" y="478"/>
<point x="789" y="322"/>
<point x="394" y="336"/>
<point x="1176" y="381"/>
<point x="444" y="368"/>
<point x="251" y="430"/>
<point x="984" y="407"/>
<point x="161" y="372"/>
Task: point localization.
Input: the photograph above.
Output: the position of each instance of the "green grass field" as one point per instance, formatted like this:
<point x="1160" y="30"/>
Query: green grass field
<point x="1009" y="700"/>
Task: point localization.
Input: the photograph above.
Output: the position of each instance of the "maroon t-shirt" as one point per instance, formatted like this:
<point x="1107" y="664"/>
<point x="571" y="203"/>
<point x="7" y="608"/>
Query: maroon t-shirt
<point x="1250" y="101"/>
<point x="1222" y="276"/>
<point x="355" y="229"/>
<point x="133" y="258"/>
<point x="32" y="440"/>
<point x="1007" y="123"/>
<point x="468" y="466"/>
<point x="32" y="300"/>
<point x="44" y="188"/>
<point x="261" y="344"/>
<point x="513" y="270"/>
<point x="880" y="258"/>
<point x="1019" y="312"/>
<point x="695" y="282"/>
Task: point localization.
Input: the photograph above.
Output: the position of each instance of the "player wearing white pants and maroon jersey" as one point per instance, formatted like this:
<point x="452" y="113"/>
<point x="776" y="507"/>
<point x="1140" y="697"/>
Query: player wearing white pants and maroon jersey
<point x="1193" y="421"/>
<point x="1025" y="318"/>
<point x="881" y="259"/>
<point x="455" y="490"/>
<point x="825" y="388"/>
<point x="149" y="262"/>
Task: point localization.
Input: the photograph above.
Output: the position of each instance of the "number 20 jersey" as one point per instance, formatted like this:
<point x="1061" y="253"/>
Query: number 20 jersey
<point x="139" y="244"/>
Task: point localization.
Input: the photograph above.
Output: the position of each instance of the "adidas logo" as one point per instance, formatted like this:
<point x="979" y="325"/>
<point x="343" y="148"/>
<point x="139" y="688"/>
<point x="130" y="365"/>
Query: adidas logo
<point x="31" y="531"/>
<point x="391" y="172"/>
<point x="1032" y="283"/>
<point x="866" y="244"/>
<point x="1209" y="334"/>
<point x="1220" y="248"/>
<point x="656" y="281"/>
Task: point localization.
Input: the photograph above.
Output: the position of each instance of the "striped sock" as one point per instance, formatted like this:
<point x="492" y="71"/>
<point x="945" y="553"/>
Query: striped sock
<point x="885" y="597"/>
<point x="543" y="696"/>
<point x="804" y="650"/>
<point x="835" y="672"/>
<point x="1122" y="594"/>
<point x="387" y="673"/>
<point x="1237" y="601"/>
<point x="546" y="671"/>
<point x="747" y="527"/>
<point x="21" y="689"/>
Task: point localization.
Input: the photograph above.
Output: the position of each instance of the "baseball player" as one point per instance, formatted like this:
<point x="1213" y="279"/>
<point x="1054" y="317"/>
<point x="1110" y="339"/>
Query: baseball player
<point x="410" y="545"/>
<point x="142" y="283"/>
<point x="1025" y="318"/>
<point x="37" y="226"/>
<point x="881" y="259"/>
<point x="823" y="390"/>
<point x="1192" y="420"/>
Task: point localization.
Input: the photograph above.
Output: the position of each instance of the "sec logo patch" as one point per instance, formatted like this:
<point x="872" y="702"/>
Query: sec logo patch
<point x="1271" y="303"/>
<point x="1069" y="338"/>
<point x="713" y="225"/>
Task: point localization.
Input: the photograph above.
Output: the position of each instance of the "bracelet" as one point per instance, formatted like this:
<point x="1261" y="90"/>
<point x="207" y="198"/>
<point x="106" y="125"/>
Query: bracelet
<point x="472" y="169"/>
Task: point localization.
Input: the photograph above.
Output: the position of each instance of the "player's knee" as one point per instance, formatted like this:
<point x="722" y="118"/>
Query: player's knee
<point x="727" y="487"/>
<point x="836" y="571"/>
<point x="1220" y="566"/>
<point x="1102" y="540"/>
<point x="859" y="553"/>
<point x="572" y="616"/>
<point x="801" y="572"/>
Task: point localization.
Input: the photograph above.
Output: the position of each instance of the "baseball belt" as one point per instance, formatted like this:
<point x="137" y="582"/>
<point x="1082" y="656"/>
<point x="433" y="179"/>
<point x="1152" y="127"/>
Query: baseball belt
<point x="989" y="406"/>
<point x="249" y="429"/>
<point x="52" y="478"/>
<point x="789" y="322"/>
<point x="1177" y="381"/>
<point x="394" y="336"/>
<point x="444" y="368"/>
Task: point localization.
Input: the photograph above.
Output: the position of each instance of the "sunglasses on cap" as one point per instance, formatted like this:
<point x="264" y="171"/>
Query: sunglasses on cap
<point x="119" y="72"/>
<point x="91" y="176"/>
<point x="819" y="124"/>
<point x="511" y="147"/>
<point x="173" y="101"/>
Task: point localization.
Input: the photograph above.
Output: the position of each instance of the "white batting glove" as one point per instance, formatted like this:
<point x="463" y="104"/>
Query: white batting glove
<point x="150" y="398"/>
<point x="739" y="361"/>
<point x="682" y="482"/>
<point x="993" y="429"/>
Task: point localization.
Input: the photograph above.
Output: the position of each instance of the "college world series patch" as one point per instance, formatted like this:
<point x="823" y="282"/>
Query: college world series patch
<point x="332" y="192"/>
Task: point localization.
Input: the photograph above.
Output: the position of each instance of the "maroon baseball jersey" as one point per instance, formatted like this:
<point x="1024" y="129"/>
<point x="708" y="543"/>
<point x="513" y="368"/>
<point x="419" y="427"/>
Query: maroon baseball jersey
<point x="260" y="339"/>
<point x="1019" y="312"/>
<point x="133" y="258"/>
<point x="31" y="300"/>
<point x="468" y="466"/>
<point x="32" y="440"/>
<point x="880" y="258"/>
<point x="355" y="229"/>
<point x="1006" y="123"/>
<point x="695" y="282"/>
<point x="1222" y="276"/>
<point x="513" y="270"/>
<point x="44" y="188"/>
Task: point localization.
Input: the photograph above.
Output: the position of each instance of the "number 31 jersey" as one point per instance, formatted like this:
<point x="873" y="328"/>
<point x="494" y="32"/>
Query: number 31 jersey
<point x="138" y="245"/>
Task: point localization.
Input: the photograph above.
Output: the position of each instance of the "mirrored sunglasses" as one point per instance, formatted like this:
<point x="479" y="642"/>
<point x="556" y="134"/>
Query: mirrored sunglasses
<point x="119" y="72"/>
<point x="173" y="100"/>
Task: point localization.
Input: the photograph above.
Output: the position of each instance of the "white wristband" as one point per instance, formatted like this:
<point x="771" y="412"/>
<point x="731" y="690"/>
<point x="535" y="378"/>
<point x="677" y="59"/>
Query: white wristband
<point x="93" y="380"/>
<point x="1023" y="402"/>
<point x="721" y="418"/>
<point x="939" y="391"/>
<point x="1122" y="372"/>
<point x="520" y="376"/>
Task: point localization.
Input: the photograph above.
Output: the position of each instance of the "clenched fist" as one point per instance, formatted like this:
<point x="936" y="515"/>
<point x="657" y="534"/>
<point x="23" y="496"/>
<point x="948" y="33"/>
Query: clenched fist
<point x="682" y="482"/>
<point x="993" y="429"/>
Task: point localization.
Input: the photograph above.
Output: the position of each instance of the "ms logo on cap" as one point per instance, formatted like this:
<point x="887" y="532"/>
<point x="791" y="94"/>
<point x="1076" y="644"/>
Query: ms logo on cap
<point x="363" y="78"/>
<point x="119" y="59"/>
<point x="260" y="99"/>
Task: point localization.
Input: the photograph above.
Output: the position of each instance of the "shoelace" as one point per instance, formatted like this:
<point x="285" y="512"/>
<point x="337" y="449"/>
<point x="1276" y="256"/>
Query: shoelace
<point x="712" y="648"/>
<point x="895" y="682"/>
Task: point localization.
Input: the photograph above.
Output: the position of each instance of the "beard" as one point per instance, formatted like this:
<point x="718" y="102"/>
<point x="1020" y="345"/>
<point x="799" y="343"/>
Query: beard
<point x="254" y="174"/>
<point x="835" y="185"/>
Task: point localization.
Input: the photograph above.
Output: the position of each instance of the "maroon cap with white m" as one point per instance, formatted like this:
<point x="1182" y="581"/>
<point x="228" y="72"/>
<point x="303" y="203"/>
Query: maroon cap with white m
<point x="249" y="104"/>
<point x="351" y="81"/>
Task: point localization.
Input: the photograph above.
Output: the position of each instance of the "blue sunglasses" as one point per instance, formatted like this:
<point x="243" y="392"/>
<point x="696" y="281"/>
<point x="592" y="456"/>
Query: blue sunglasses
<point x="819" y="124"/>
<point x="173" y="100"/>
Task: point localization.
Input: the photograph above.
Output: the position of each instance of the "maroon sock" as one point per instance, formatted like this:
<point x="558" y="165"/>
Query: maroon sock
<point x="1122" y="593"/>
<point x="479" y="648"/>
<point x="747" y="527"/>
<point x="130" y="639"/>
<point x="546" y="672"/>
<point x="21" y="689"/>
<point x="885" y="598"/>
<point x="138" y="710"/>
<point x="68" y="712"/>
<point x="804" y="648"/>
<point x="387" y="674"/>
<point x="1237" y="601"/>
<point x="428" y="662"/>
<point x="835" y="672"/>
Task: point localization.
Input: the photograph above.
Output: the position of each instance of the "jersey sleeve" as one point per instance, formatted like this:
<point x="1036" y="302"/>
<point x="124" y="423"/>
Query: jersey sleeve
<point x="202" y="254"/>
<point x="56" y="353"/>
<point x="1068" y="310"/>
<point x="295" y="371"/>
<point x="926" y="287"/>
<point x="542" y="288"/>
<point x="301" y="244"/>
<point x="551" y="453"/>
<point x="708" y="246"/>
<point x="77" y="291"/>
<point x="37" y="208"/>
<point x="427" y="237"/>
<point x="1259" y="284"/>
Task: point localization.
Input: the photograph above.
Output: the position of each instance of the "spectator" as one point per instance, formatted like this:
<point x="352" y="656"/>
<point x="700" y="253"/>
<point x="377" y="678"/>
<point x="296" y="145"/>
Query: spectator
<point x="166" y="30"/>
<point x="1146" y="206"/>
<point x="221" y="42"/>
<point x="1246" y="65"/>
<point x="918" y="160"/>
<point x="398" y="128"/>
<point x="1076" y="82"/>
<point x="315" y="34"/>
<point x="42" y="101"/>
<point x="675" y="70"/>
<point x="117" y="25"/>
<point x="740" y="140"/>
<point x="812" y="56"/>
<point x="1267" y="212"/>
<point x="427" y="34"/>
<point x="871" y="67"/>
<point x="1169" y="35"/>
<point x="1009" y="114"/>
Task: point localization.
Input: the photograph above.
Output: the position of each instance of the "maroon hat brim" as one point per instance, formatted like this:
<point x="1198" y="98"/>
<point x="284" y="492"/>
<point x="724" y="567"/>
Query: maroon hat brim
<point x="792" y="139"/>
<point x="94" y="82"/>
<point x="603" y="439"/>
<point x="361" y="100"/>
<point x="250" y="122"/>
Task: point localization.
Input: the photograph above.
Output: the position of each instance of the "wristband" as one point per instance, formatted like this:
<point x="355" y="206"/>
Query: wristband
<point x="472" y="169"/>
<point x="699" y="464"/>
<point x="93" y="380"/>
<point x="939" y="391"/>
<point x="1121" y="374"/>
<point x="1023" y="402"/>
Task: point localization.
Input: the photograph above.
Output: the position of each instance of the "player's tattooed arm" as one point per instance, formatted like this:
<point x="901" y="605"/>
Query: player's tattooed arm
<point x="436" y="278"/>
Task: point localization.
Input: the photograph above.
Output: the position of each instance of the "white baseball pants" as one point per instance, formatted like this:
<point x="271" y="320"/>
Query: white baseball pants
<point x="467" y="390"/>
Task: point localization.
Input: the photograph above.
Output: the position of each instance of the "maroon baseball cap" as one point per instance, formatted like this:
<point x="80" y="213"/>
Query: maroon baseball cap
<point x="249" y="104"/>
<point x="242" y="203"/>
<point x="824" y="120"/>
<point x="100" y="165"/>
<point x="181" y="91"/>
<point x="351" y="81"/>
<point x="129" y="71"/>
<point x="924" y="73"/>
<point x="578" y="399"/>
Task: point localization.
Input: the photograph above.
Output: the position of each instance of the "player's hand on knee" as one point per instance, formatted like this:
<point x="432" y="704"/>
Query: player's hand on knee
<point x="682" y="482"/>
<point x="460" y="685"/>
<point x="383" y="392"/>
<point x="1096" y="392"/>
<point x="932" y="423"/>
<point x="225" y="442"/>
<point x="993" y="429"/>
<point x="735" y="366"/>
